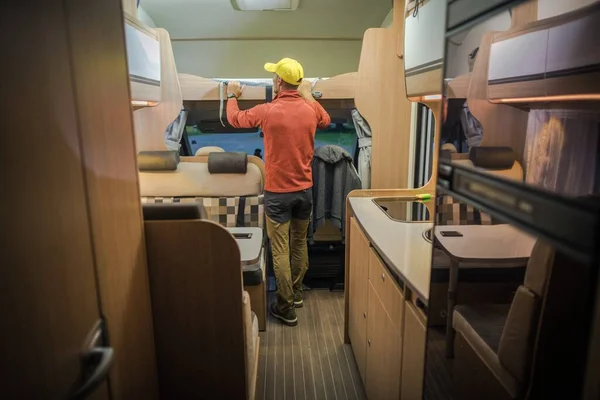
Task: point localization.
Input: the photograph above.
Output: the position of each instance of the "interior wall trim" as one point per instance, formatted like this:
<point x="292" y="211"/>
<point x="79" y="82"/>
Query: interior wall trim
<point x="430" y="66"/>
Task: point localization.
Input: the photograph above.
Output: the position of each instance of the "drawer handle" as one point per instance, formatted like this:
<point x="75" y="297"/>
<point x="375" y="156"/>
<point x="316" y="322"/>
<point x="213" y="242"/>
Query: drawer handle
<point x="364" y="315"/>
<point x="369" y="343"/>
<point x="383" y="277"/>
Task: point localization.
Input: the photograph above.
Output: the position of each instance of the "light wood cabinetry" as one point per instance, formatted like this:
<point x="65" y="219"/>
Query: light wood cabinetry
<point x="386" y="330"/>
<point x="387" y="289"/>
<point x="359" y="274"/>
<point x="384" y="352"/>
<point x="413" y="357"/>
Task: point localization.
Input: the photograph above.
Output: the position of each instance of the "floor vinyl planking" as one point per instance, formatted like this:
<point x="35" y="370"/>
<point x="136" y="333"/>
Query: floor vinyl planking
<point x="309" y="361"/>
<point x="438" y="369"/>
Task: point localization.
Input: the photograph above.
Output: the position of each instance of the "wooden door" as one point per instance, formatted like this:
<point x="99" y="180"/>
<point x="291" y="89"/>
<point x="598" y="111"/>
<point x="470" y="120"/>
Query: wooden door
<point x="358" y="296"/>
<point x="413" y="358"/>
<point x="72" y="232"/>
<point x="384" y="352"/>
<point x="99" y="62"/>
<point x="48" y="294"/>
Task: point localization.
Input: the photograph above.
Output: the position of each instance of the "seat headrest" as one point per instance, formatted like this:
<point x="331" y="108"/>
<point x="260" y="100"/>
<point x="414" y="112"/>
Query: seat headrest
<point x="227" y="163"/>
<point x="175" y="211"/>
<point x="158" y="160"/>
<point x="493" y="157"/>
<point x="206" y="150"/>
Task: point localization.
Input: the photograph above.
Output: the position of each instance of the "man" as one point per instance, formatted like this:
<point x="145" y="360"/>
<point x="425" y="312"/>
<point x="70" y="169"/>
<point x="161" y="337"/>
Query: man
<point x="289" y="124"/>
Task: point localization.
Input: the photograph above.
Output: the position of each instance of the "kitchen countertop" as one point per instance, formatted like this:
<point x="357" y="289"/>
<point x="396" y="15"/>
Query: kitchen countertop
<point x="400" y="244"/>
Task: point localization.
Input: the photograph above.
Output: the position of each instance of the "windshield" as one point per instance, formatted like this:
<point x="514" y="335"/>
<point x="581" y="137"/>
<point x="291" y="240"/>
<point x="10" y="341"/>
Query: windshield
<point x="343" y="135"/>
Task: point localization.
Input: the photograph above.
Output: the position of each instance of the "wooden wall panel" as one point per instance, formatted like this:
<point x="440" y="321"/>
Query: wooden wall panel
<point x="151" y="122"/>
<point x="48" y="301"/>
<point x="436" y="109"/>
<point x="381" y="99"/>
<point x="130" y="7"/>
<point x="459" y="87"/>
<point x="197" y="310"/>
<point x="338" y="87"/>
<point x="427" y="83"/>
<point x="524" y="13"/>
<point x="503" y="125"/>
<point x="108" y="154"/>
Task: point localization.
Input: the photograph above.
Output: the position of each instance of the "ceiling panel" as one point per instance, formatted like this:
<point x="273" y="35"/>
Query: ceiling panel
<point x="313" y="18"/>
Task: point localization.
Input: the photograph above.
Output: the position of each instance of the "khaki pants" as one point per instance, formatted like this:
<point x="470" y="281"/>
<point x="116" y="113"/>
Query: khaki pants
<point x="290" y="258"/>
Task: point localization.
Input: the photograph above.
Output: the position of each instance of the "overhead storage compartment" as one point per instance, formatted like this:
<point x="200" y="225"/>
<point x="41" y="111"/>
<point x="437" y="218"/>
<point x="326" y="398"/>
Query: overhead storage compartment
<point x="143" y="58"/>
<point x="547" y="60"/>
<point x="424" y="48"/>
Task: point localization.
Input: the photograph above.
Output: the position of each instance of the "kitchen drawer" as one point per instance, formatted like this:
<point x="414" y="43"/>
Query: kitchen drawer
<point x="387" y="289"/>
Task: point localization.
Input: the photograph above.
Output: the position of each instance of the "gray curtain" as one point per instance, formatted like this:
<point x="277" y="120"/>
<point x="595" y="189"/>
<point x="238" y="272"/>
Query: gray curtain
<point x="363" y="131"/>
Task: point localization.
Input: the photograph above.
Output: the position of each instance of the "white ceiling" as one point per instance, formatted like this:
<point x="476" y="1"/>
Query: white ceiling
<point x="313" y="18"/>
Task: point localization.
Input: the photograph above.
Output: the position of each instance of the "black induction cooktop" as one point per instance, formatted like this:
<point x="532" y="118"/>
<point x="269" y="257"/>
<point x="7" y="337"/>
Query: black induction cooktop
<point x="404" y="210"/>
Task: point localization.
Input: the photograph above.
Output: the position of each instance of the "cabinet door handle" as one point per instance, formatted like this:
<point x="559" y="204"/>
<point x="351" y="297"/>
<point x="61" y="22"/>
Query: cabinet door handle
<point x="364" y="315"/>
<point x="383" y="277"/>
<point x="369" y="343"/>
<point x="96" y="361"/>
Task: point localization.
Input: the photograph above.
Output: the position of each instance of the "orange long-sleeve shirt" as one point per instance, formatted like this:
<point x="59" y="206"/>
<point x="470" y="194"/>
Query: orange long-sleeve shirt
<point x="289" y="124"/>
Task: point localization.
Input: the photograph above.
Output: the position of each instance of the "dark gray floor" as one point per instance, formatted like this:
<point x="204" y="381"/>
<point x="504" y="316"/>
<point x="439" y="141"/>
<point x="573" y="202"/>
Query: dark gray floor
<point x="438" y="368"/>
<point x="310" y="360"/>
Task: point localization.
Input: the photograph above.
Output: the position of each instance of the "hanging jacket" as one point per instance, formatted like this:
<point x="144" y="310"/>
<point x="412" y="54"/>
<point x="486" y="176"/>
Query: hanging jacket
<point x="334" y="176"/>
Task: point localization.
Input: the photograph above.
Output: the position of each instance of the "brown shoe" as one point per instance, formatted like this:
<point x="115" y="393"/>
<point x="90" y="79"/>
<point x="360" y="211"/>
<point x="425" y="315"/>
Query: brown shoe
<point x="298" y="302"/>
<point x="289" y="318"/>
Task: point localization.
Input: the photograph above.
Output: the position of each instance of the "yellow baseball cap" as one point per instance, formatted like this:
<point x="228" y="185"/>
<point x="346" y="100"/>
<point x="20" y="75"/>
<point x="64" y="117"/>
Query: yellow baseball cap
<point x="287" y="69"/>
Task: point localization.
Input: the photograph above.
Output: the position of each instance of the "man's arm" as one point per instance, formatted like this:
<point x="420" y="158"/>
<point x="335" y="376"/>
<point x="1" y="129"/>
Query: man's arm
<point x="251" y="118"/>
<point x="323" y="118"/>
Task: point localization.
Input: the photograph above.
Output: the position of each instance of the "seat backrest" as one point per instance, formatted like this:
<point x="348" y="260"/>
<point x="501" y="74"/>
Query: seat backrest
<point x="230" y="199"/>
<point x="498" y="161"/>
<point x="517" y="341"/>
<point x="170" y="212"/>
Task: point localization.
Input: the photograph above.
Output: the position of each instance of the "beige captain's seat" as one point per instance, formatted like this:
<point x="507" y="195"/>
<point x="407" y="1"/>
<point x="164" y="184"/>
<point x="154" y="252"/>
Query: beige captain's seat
<point x="206" y="150"/>
<point x="230" y="186"/>
<point x="494" y="344"/>
<point x="182" y="316"/>
<point x="220" y="192"/>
